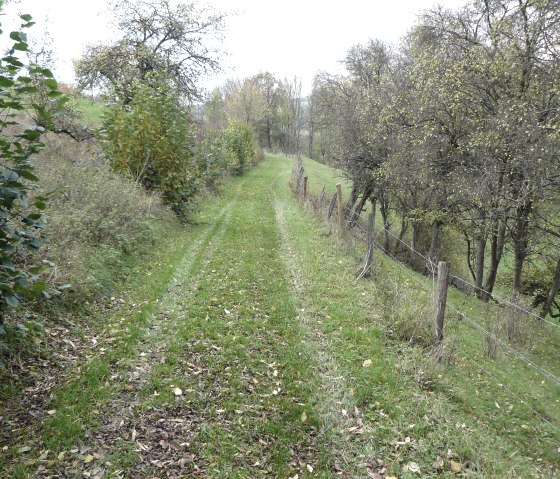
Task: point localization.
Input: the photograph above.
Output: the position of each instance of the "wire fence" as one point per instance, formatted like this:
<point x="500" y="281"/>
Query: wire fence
<point x="354" y="224"/>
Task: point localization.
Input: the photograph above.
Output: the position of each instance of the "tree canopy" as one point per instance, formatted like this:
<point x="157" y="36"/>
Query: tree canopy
<point x="154" y="36"/>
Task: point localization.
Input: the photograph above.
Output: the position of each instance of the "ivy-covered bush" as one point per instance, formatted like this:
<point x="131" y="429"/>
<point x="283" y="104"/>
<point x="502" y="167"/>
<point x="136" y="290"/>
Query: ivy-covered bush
<point x="150" y="138"/>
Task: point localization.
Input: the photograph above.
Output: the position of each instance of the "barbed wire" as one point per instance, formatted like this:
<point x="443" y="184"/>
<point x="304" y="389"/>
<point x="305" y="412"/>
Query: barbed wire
<point x="505" y="301"/>
<point x="500" y="341"/>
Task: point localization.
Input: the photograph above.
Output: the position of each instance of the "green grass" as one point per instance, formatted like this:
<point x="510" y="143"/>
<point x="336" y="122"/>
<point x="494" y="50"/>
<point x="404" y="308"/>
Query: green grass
<point x="286" y="365"/>
<point x="91" y="110"/>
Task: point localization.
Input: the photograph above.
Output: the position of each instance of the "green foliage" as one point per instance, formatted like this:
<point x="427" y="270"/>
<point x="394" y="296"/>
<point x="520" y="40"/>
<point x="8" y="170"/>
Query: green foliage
<point x="234" y="148"/>
<point x="21" y="205"/>
<point x="154" y="36"/>
<point x="151" y="140"/>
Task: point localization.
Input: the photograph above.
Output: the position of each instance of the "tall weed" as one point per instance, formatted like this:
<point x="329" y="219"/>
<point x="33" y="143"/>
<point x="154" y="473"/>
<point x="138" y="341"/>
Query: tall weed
<point x="95" y="218"/>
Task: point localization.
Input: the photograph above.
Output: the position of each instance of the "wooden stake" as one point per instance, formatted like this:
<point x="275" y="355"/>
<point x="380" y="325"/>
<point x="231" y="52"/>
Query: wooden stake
<point x="443" y="284"/>
<point x="340" y="208"/>
<point x="331" y="207"/>
<point x="370" y="264"/>
<point x="305" y="178"/>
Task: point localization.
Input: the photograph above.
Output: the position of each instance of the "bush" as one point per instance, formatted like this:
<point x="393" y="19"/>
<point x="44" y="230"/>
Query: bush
<point x="234" y="148"/>
<point x="151" y="140"/>
<point x="95" y="218"/>
<point x="21" y="205"/>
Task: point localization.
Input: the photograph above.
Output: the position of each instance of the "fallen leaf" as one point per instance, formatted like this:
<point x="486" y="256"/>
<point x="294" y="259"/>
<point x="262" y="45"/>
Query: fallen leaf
<point x="303" y="417"/>
<point x="309" y="468"/>
<point x="177" y="391"/>
<point x="23" y="449"/>
<point x="367" y="363"/>
<point x="51" y="412"/>
<point x="413" y="467"/>
<point x="88" y="458"/>
<point x="456" y="467"/>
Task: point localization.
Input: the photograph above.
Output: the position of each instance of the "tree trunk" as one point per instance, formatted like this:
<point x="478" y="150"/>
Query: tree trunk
<point x="414" y="242"/>
<point x="520" y="244"/>
<point x="496" y="250"/>
<point x="384" y="209"/>
<point x="310" y="143"/>
<point x="480" y="250"/>
<point x="399" y="244"/>
<point x="551" y="294"/>
<point x="433" y="247"/>
<point x="360" y="206"/>
<point x="268" y="134"/>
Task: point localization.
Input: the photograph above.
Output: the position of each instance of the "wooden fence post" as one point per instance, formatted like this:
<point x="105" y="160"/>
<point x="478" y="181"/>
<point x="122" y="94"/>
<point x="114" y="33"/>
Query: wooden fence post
<point x="305" y="178"/>
<point x="441" y="300"/>
<point x="299" y="175"/>
<point x="331" y="207"/>
<point x="340" y="208"/>
<point x="370" y="265"/>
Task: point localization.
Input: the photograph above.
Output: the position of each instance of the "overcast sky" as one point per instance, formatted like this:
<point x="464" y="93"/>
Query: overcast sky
<point x="286" y="37"/>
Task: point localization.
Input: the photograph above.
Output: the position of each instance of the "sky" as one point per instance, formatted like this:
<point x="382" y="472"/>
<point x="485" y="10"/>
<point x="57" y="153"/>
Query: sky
<point x="287" y="38"/>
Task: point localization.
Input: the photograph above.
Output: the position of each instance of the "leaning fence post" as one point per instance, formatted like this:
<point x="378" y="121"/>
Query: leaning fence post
<point x="340" y="208"/>
<point x="443" y="284"/>
<point x="370" y="265"/>
<point x="305" y="187"/>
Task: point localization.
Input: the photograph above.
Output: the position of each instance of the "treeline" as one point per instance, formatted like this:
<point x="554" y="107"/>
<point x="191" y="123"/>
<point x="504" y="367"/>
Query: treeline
<point x="273" y="108"/>
<point x="456" y="131"/>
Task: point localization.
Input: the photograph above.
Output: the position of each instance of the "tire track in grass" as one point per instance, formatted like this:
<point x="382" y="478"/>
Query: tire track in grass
<point x="131" y="372"/>
<point x="240" y="364"/>
<point x="336" y="402"/>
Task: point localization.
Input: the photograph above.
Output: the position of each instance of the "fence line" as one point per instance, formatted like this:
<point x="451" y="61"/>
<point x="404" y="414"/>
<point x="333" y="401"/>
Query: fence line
<point x="358" y="230"/>
<point x="516" y="352"/>
<point x="522" y="357"/>
<point x="505" y="301"/>
<point x="497" y="298"/>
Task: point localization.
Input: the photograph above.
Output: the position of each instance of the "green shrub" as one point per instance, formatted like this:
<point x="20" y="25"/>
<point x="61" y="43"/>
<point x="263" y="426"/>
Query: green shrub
<point x="151" y="140"/>
<point x="234" y="148"/>
<point x="21" y="205"/>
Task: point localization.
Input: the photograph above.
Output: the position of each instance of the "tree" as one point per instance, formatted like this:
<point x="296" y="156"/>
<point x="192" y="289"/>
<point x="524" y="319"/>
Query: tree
<point x="156" y="36"/>
<point x="152" y="140"/>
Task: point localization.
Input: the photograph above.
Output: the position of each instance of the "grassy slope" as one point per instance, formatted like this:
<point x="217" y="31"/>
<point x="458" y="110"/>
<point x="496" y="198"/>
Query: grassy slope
<point x="92" y="111"/>
<point x="284" y="366"/>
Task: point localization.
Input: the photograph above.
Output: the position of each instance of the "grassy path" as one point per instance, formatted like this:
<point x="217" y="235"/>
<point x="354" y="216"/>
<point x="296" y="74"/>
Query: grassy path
<point x="259" y="356"/>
